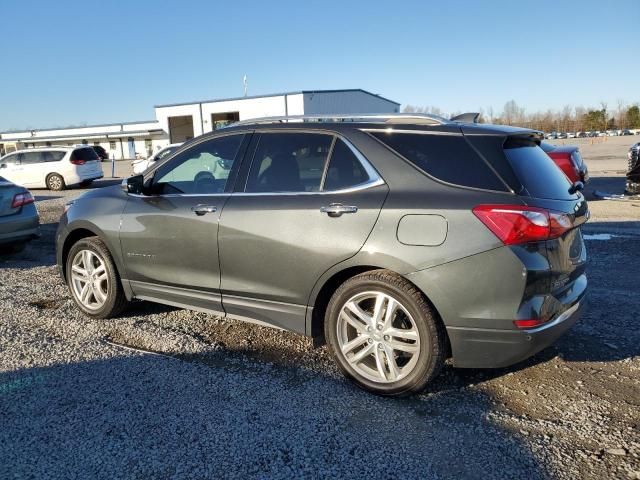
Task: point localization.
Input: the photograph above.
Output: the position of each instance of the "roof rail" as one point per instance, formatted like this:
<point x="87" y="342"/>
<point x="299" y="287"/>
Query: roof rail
<point x="420" y="118"/>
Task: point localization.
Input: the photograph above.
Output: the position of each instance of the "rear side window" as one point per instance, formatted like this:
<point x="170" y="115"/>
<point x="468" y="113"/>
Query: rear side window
<point x="86" y="154"/>
<point x="52" y="156"/>
<point x="345" y="170"/>
<point x="289" y="162"/>
<point x="445" y="157"/>
<point x="536" y="170"/>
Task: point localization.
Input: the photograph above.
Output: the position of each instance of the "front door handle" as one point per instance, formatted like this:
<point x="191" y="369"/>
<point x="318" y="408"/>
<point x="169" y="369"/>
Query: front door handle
<point x="203" y="209"/>
<point x="337" y="209"/>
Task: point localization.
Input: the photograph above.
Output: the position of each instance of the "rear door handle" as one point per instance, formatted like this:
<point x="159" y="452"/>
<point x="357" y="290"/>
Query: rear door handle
<point x="337" y="209"/>
<point x="203" y="209"/>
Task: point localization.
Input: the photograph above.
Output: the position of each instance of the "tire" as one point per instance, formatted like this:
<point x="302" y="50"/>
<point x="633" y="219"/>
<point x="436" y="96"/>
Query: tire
<point x="422" y="335"/>
<point x="105" y="297"/>
<point x="55" y="182"/>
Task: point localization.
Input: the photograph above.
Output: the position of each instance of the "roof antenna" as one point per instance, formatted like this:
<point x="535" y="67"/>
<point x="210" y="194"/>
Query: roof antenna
<point x="244" y="81"/>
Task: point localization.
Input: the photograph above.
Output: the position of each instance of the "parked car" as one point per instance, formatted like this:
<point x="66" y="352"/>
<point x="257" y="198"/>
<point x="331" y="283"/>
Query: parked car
<point x="399" y="240"/>
<point x="626" y="132"/>
<point x="568" y="158"/>
<point x="632" y="186"/>
<point x="19" y="221"/>
<point x="139" y="166"/>
<point x="101" y="152"/>
<point x="54" y="168"/>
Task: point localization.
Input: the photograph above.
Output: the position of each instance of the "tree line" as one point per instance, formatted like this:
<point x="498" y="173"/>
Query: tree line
<point x="568" y="119"/>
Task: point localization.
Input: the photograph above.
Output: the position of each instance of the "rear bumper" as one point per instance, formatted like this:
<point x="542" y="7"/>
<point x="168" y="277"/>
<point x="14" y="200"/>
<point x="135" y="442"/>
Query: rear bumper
<point x="492" y="348"/>
<point x="21" y="227"/>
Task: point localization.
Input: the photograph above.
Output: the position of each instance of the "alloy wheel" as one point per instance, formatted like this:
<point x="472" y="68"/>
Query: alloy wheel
<point x="89" y="279"/>
<point x="378" y="337"/>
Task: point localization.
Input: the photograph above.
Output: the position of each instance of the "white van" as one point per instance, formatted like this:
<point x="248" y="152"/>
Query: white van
<point x="52" y="167"/>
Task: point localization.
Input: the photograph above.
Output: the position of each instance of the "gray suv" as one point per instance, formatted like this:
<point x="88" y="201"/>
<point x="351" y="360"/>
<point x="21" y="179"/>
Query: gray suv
<point x="399" y="240"/>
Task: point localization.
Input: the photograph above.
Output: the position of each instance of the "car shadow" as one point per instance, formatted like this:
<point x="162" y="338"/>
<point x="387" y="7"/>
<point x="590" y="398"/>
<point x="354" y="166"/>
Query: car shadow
<point x="150" y="416"/>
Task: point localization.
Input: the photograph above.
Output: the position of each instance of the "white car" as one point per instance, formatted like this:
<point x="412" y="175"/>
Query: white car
<point x="139" y="166"/>
<point x="54" y="168"/>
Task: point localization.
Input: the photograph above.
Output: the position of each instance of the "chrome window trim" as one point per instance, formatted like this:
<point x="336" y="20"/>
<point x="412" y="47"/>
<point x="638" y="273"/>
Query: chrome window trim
<point x="417" y="132"/>
<point x="374" y="177"/>
<point x="357" y="188"/>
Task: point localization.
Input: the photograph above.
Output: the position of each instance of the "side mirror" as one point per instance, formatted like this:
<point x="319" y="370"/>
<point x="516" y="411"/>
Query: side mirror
<point x="133" y="185"/>
<point x="3" y="165"/>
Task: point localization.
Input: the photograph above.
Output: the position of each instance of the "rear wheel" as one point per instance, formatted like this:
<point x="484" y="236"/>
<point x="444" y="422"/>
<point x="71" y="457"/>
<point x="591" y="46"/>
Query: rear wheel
<point x="55" y="182"/>
<point x="384" y="335"/>
<point x="93" y="280"/>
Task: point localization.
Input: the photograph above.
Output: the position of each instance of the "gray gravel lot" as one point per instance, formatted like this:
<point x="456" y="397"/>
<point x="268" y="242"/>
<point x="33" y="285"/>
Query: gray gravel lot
<point x="219" y="398"/>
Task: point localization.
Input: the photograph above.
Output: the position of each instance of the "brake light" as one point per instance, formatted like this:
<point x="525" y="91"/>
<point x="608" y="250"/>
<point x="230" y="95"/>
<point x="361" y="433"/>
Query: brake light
<point x="77" y="162"/>
<point x="530" y="323"/>
<point x="21" y="199"/>
<point x="515" y="224"/>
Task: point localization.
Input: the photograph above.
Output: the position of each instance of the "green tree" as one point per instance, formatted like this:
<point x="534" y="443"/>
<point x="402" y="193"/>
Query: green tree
<point x="633" y="117"/>
<point x="594" y="119"/>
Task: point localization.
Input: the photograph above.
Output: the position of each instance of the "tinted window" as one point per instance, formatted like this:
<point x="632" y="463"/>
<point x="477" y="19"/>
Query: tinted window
<point x="345" y="170"/>
<point x="446" y="157"/>
<point x="52" y="156"/>
<point x="86" y="154"/>
<point x="29" y="158"/>
<point x="164" y="153"/>
<point x="204" y="168"/>
<point x="536" y="170"/>
<point x="10" y="159"/>
<point x="289" y="162"/>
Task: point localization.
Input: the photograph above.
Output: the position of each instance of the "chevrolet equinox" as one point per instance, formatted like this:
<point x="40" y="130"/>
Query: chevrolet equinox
<point x="399" y="240"/>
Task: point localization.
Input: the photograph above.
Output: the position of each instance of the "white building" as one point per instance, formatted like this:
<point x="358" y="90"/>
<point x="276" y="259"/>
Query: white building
<point x="181" y="121"/>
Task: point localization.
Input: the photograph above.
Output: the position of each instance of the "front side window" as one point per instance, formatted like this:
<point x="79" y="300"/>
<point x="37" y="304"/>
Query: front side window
<point x="289" y="162"/>
<point x="202" y="169"/>
<point x="10" y="159"/>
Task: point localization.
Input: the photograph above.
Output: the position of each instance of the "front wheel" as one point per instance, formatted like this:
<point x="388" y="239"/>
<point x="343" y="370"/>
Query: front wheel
<point x="93" y="280"/>
<point x="384" y="335"/>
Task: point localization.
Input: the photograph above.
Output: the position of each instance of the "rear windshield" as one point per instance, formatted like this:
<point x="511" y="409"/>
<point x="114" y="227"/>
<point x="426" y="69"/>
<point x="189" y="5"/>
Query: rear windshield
<point x="446" y="157"/>
<point x="86" y="154"/>
<point x="536" y="170"/>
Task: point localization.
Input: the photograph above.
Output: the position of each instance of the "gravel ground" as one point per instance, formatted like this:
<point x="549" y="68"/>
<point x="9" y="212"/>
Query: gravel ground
<point x="208" y="397"/>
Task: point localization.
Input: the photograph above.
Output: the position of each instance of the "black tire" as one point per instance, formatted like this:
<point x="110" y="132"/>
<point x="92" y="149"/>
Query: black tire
<point x="55" y="182"/>
<point x="432" y="351"/>
<point x="12" y="249"/>
<point x="116" y="300"/>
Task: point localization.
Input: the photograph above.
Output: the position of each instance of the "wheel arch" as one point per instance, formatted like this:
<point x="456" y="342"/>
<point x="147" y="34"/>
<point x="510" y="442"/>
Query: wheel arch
<point x="322" y="294"/>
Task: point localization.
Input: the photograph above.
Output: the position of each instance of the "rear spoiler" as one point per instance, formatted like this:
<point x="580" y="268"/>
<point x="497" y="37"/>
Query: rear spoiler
<point x="470" y="117"/>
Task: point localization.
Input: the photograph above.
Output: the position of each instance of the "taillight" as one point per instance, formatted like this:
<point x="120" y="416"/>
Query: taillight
<point x="77" y="162"/>
<point x="514" y="224"/>
<point x="21" y="199"/>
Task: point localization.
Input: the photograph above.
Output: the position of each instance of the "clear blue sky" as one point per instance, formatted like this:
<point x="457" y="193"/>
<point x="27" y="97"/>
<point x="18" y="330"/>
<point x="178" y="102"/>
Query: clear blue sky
<point x="69" y="62"/>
